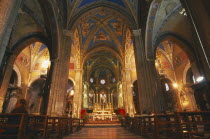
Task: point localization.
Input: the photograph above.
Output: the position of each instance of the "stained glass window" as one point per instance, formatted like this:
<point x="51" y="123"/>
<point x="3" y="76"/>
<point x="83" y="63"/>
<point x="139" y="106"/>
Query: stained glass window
<point x="102" y="81"/>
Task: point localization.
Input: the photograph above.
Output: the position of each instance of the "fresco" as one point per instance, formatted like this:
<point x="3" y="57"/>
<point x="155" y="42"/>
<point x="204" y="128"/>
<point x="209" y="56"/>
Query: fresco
<point x="85" y="2"/>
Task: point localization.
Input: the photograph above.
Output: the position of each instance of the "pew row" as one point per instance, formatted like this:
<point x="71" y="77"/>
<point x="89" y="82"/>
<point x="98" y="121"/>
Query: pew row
<point x="37" y="126"/>
<point x="178" y="125"/>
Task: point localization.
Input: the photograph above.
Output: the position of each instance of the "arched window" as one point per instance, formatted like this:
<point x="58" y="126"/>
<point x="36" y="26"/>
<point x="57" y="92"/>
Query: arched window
<point x="91" y="80"/>
<point x="102" y="81"/>
<point x="167" y="87"/>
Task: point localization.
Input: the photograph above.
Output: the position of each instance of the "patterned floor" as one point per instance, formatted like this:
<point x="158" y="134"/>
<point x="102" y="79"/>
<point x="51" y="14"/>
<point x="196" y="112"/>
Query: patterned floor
<point x="103" y="133"/>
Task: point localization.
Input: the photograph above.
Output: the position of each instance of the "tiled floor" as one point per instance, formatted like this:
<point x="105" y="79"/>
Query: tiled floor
<point x="103" y="133"/>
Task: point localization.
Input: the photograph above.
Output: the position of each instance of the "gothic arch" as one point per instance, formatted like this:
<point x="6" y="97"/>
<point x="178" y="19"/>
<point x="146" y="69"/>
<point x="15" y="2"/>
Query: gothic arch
<point x="100" y="49"/>
<point x="186" y="46"/>
<point x="185" y="73"/>
<point x="18" y="74"/>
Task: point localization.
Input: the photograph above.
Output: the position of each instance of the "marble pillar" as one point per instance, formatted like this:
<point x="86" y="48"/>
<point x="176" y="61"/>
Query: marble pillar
<point x="150" y="96"/>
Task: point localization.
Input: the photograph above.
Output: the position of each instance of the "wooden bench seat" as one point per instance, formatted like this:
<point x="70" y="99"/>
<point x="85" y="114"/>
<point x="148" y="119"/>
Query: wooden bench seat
<point x="37" y="125"/>
<point x="12" y="125"/>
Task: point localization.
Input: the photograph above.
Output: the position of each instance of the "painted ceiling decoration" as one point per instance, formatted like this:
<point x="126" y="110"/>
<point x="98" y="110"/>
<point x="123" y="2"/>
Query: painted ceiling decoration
<point x="127" y="7"/>
<point x="86" y="2"/>
<point x="39" y="53"/>
<point x="102" y="57"/>
<point x="170" y="58"/>
<point x="102" y="25"/>
<point x="102" y="61"/>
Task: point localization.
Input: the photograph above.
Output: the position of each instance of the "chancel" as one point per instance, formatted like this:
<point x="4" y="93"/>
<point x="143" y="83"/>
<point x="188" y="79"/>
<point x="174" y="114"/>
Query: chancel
<point x="121" y="68"/>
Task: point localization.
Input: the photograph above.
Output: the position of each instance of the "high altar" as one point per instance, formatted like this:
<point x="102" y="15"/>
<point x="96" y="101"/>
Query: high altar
<point x="102" y="108"/>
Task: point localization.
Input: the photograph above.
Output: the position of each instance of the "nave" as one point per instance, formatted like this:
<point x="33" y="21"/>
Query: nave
<point x="115" y="132"/>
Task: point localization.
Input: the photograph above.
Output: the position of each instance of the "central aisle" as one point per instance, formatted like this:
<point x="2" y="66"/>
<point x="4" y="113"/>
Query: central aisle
<point x="103" y="133"/>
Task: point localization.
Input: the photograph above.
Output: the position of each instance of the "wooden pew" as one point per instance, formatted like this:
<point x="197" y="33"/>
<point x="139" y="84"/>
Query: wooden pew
<point x="12" y="125"/>
<point x="63" y="126"/>
<point x="37" y="125"/>
<point x="194" y="124"/>
<point x="127" y="124"/>
<point x="70" y="126"/>
<point x="147" y="125"/>
<point x="76" y="124"/>
<point x="166" y="125"/>
<point x="53" y="127"/>
<point x="135" y="125"/>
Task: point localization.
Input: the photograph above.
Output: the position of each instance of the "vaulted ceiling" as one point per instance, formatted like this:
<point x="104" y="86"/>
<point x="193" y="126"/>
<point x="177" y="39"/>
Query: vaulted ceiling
<point x="128" y="6"/>
<point x="101" y="27"/>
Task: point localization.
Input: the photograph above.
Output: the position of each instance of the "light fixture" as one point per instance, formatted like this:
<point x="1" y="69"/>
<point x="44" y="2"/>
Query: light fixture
<point x="72" y="92"/>
<point x="175" y="85"/>
<point x="45" y="64"/>
<point x="199" y="79"/>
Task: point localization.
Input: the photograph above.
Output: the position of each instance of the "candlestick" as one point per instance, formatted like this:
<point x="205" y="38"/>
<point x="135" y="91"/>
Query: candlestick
<point x="112" y="98"/>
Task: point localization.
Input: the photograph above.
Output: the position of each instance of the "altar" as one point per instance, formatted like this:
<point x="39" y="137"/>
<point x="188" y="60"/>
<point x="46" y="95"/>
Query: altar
<point x="103" y="112"/>
<point x="102" y="115"/>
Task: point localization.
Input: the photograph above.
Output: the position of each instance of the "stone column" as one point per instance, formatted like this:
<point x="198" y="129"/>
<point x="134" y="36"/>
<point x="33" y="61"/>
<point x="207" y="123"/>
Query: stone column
<point x="125" y="102"/>
<point x="129" y="99"/>
<point x="78" y="93"/>
<point x="59" y="71"/>
<point x="5" y="84"/>
<point x="148" y="82"/>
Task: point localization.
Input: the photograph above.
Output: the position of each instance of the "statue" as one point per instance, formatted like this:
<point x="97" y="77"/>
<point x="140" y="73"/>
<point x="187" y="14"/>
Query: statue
<point x="103" y="97"/>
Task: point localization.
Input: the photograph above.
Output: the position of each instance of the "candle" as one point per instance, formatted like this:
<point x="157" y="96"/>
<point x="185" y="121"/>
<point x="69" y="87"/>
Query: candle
<point x="112" y="98"/>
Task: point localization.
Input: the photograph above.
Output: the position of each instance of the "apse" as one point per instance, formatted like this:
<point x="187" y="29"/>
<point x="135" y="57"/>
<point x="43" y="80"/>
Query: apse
<point x="101" y="77"/>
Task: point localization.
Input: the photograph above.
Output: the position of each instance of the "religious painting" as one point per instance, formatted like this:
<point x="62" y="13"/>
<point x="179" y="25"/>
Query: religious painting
<point x="86" y="28"/>
<point x="117" y="26"/>
<point x="23" y="59"/>
<point x="101" y="36"/>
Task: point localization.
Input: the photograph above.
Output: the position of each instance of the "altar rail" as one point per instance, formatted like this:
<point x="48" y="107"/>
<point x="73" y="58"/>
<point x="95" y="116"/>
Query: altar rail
<point x="179" y="125"/>
<point x="37" y="126"/>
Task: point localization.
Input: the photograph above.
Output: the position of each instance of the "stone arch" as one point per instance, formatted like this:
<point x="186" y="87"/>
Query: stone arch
<point x="52" y="22"/>
<point x="17" y="48"/>
<point x="100" y="49"/>
<point x="18" y="74"/>
<point x="185" y="73"/>
<point x="155" y="7"/>
<point x="70" y="78"/>
<point x="186" y="46"/>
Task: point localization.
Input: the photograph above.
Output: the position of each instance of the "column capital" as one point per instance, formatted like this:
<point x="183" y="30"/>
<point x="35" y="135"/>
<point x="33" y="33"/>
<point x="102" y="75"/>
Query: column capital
<point x="137" y="32"/>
